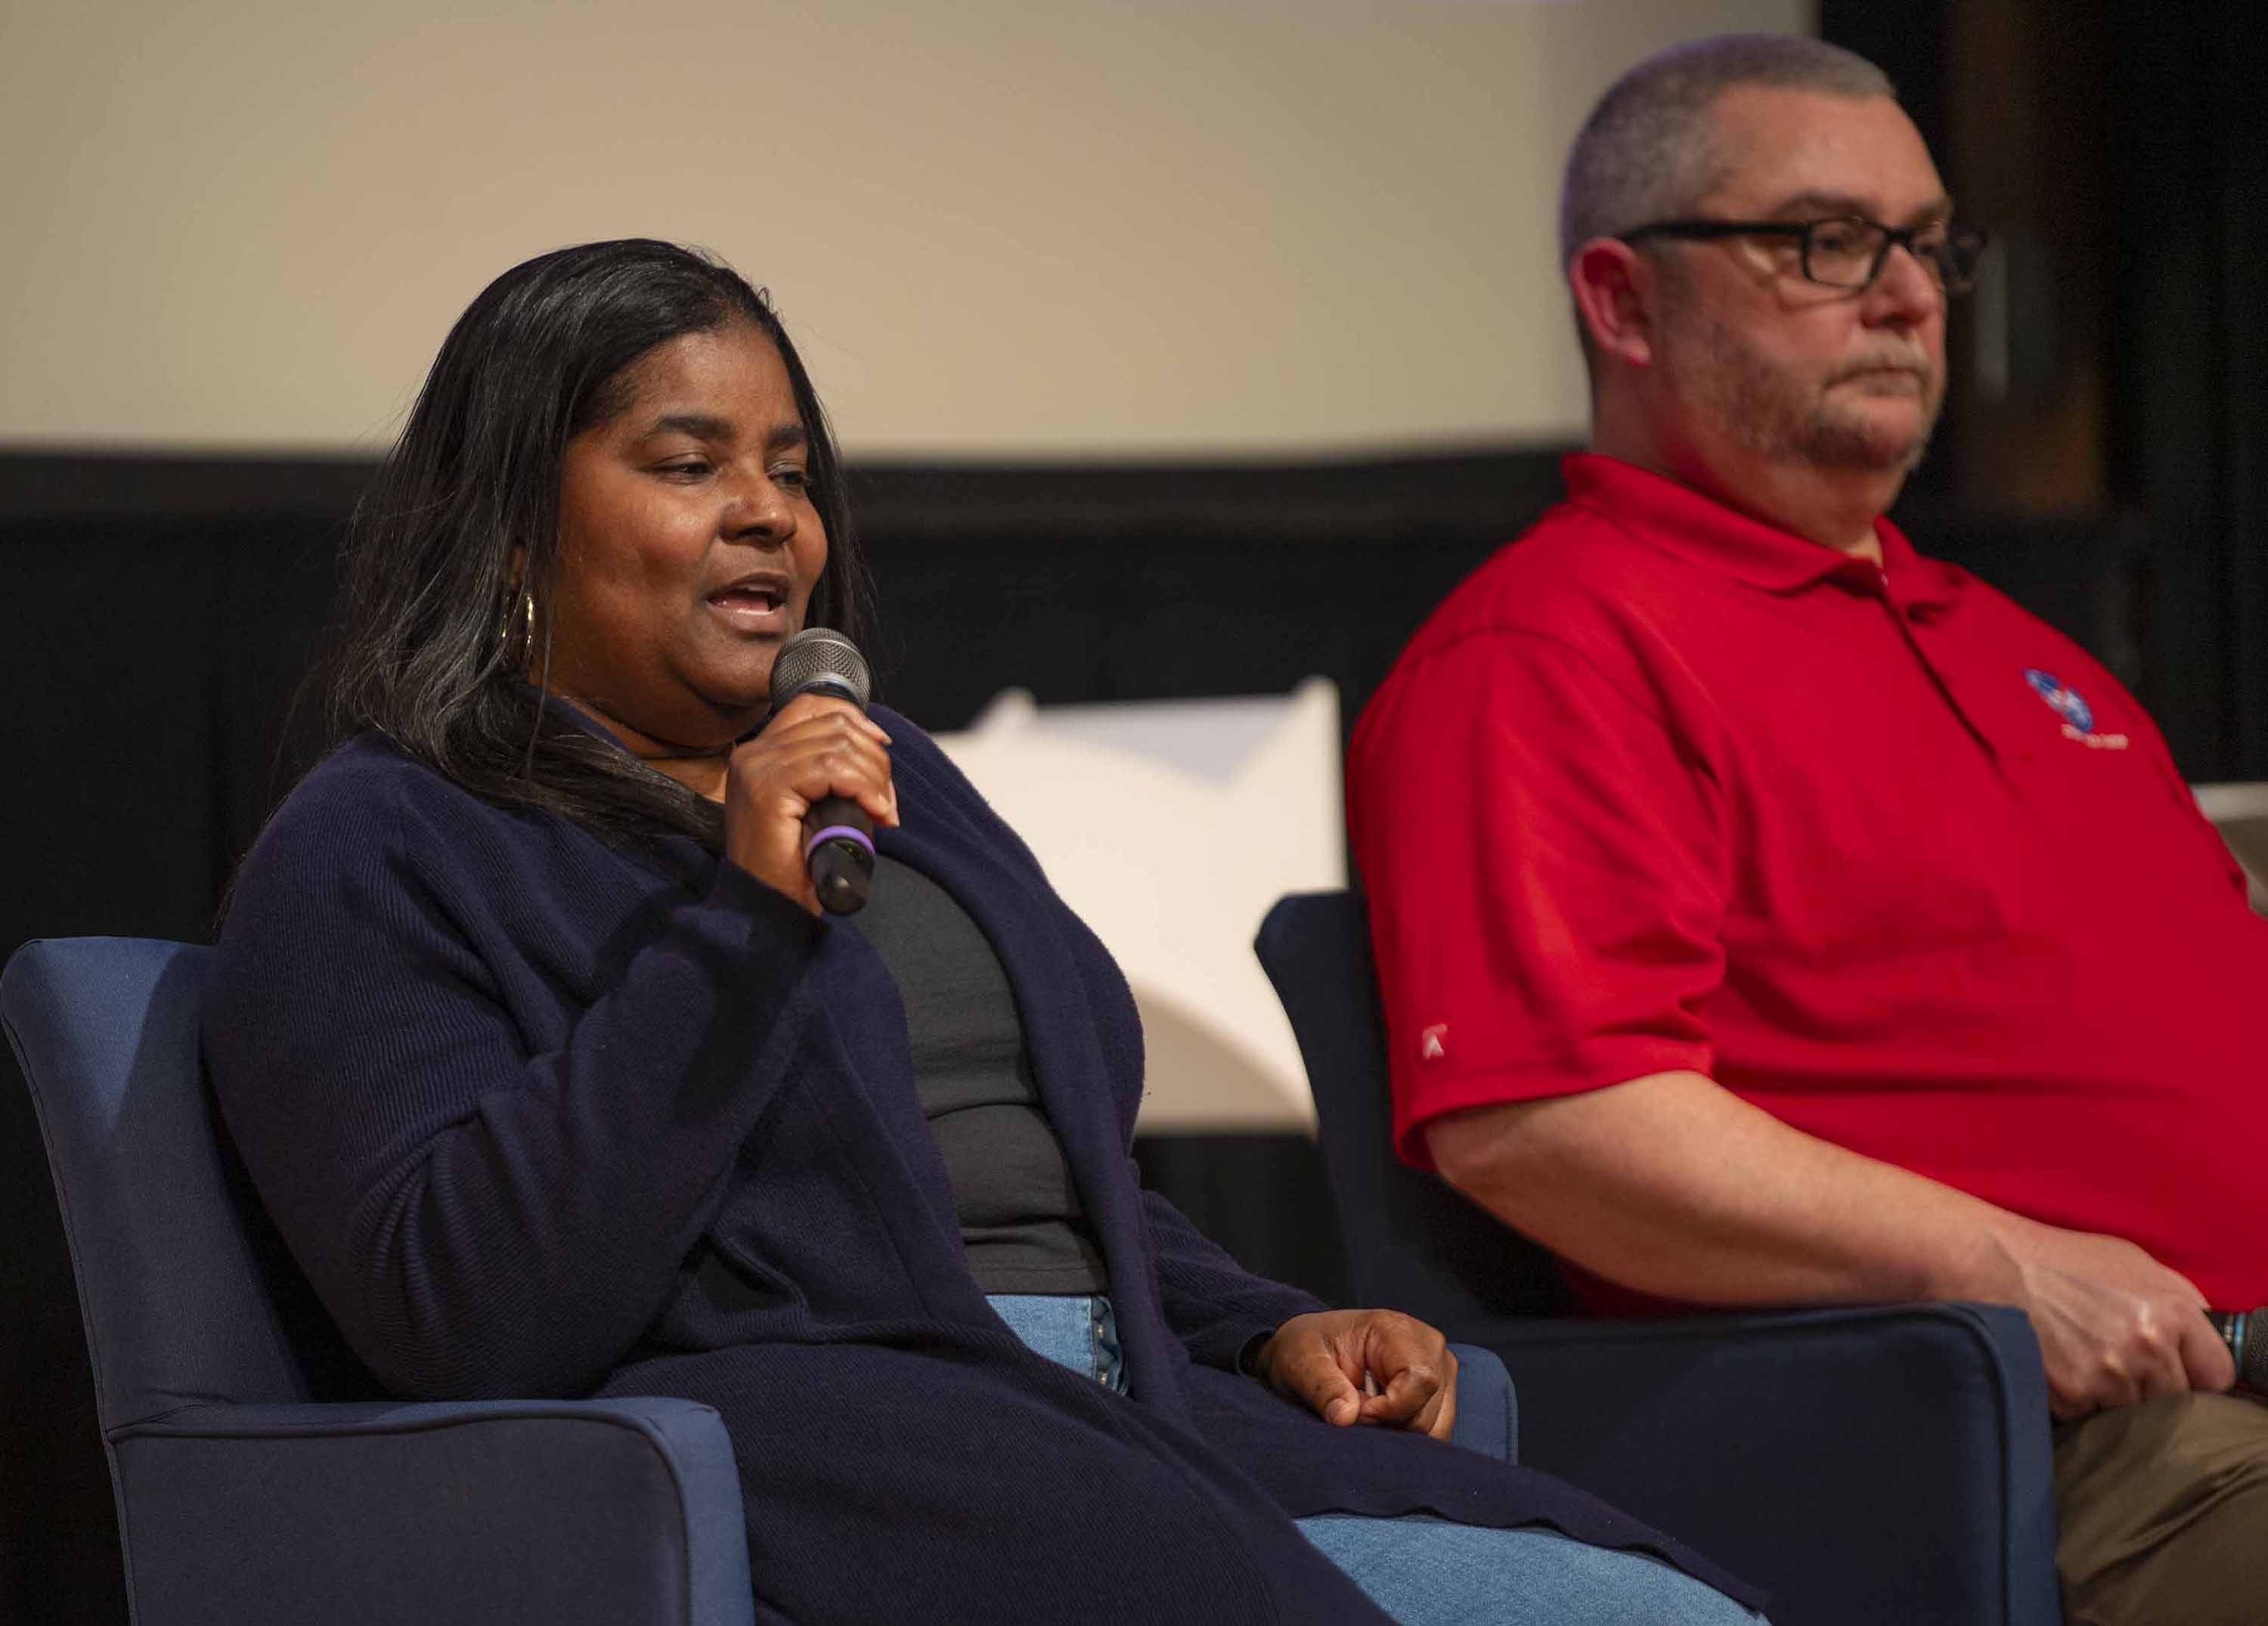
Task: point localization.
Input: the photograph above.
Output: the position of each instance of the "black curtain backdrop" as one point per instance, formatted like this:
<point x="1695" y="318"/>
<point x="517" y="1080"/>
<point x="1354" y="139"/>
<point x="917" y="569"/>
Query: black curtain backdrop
<point x="2166" y="102"/>
<point x="2189" y="285"/>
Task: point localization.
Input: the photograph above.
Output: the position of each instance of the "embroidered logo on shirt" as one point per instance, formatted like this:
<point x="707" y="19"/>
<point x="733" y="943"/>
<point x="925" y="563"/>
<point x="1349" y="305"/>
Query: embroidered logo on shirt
<point x="2069" y="704"/>
<point x="1433" y="1042"/>
<point x="2064" y="700"/>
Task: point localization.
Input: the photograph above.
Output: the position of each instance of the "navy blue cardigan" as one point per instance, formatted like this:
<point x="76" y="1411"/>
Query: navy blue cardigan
<point x="539" y="1116"/>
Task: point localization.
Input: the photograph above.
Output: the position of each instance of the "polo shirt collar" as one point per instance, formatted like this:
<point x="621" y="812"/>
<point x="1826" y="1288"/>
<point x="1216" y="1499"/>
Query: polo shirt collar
<point x="1681" y="520"/>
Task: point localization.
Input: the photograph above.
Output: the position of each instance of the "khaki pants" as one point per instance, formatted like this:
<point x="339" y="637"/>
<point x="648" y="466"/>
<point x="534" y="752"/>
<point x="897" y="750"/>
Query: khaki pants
<point x="2162" y="1509"/>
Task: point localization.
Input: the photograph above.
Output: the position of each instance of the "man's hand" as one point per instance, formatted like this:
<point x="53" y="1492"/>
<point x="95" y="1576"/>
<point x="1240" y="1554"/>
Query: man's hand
<point x="2115" y="1326"/>
<point x="1323" y="1359"/>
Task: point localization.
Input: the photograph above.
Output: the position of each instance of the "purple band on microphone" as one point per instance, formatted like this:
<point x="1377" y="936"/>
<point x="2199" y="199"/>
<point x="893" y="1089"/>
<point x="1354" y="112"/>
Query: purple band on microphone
<point x="849" y="832"/>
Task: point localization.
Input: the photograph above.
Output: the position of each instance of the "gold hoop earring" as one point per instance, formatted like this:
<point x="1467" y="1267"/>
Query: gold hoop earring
<point x="525" y="637"/>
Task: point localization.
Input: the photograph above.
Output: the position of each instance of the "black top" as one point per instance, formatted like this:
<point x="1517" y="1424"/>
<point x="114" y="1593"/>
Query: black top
<point x="1012" y="1190"/>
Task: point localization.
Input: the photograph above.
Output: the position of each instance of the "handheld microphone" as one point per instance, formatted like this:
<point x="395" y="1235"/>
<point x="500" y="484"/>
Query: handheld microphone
<point x="2245" y="1332"/>
<point x="838" y="837"/>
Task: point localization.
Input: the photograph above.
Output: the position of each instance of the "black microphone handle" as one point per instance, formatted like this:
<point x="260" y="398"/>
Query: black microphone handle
<point x="838" y="837"/>
<point x="2245" y="1332"/>
<point x="838" y="850"/>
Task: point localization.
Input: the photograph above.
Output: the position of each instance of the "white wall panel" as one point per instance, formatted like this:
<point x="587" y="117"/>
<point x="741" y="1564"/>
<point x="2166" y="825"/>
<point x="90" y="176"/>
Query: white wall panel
<point x="1002" y="227"/>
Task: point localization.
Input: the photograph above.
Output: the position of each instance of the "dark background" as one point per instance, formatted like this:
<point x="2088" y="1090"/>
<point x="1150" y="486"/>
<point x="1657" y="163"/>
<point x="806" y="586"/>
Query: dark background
<point x="2104" y="462"/>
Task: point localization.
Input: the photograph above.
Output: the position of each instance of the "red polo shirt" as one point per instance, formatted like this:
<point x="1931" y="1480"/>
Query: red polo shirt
<point x="1662" y="787"/>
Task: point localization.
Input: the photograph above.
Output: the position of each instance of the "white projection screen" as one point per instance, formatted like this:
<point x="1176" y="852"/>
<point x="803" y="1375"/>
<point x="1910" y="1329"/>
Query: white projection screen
<point x="1051" y="229"/>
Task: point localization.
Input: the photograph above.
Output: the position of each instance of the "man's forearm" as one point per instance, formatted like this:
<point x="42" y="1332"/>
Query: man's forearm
<point x="1671" y="1185"/>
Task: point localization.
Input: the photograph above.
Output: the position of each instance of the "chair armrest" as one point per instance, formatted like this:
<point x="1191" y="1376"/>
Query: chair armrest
<point x="569" y="1511"/>
<point x="1488" y="1409"/>
<point x="1867" y="1464"/>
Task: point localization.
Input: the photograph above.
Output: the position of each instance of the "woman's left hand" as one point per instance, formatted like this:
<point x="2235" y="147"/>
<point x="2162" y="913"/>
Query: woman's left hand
<point x="1323" y="1359"/>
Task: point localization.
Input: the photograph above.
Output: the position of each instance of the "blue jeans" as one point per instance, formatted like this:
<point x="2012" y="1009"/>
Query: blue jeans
<point x="1421" y="1570"/>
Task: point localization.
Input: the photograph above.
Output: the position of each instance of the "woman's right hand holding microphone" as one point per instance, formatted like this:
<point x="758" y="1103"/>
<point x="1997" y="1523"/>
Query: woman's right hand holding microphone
<point x="816" y="746"/>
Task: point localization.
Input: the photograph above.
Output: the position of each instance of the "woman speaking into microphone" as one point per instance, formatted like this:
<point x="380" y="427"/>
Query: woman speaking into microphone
<point x="557" y="1080"/>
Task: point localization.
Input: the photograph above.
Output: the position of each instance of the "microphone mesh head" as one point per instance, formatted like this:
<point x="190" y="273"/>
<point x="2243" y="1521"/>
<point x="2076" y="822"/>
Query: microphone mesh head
<point x="2252" y="1364"/>
<point x="822" y="660"/>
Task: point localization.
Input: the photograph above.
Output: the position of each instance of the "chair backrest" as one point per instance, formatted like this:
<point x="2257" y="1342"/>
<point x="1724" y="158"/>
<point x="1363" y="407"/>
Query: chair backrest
<point x="187" y="1293"/>
<point x="1414" y="1244"/>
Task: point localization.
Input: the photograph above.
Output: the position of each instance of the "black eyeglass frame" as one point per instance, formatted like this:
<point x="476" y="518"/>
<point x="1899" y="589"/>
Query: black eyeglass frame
<point x="1964" y="244"/>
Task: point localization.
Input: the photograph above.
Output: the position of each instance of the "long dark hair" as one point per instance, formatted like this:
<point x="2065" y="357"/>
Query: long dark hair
<point x="428" y="579"/>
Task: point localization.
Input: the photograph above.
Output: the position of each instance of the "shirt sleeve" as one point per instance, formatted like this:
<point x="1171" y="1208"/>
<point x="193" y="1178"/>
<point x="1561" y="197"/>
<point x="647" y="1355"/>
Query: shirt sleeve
<point x="480" y="1219"/>
<point x="1214" y="1306"/>
<point x="1543" y="852"/>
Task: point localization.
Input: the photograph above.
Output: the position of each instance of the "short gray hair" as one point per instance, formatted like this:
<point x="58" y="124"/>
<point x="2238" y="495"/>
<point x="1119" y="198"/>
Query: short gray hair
<point x="1648" y="152"/>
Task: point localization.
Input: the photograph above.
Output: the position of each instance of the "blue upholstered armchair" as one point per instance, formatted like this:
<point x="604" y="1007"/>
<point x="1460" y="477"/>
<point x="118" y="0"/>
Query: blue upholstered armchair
<point x="1868" y="1465"/>
<point x="256" y="1479"/>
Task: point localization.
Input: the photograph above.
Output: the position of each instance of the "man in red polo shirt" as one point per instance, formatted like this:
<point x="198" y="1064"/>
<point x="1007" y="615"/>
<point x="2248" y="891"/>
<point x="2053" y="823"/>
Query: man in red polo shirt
<point x="1767" y="913"/>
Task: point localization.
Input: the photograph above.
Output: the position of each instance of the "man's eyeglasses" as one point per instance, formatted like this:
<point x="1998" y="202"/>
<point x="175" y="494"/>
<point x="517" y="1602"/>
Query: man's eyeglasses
<point x="1847" y="252"/>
